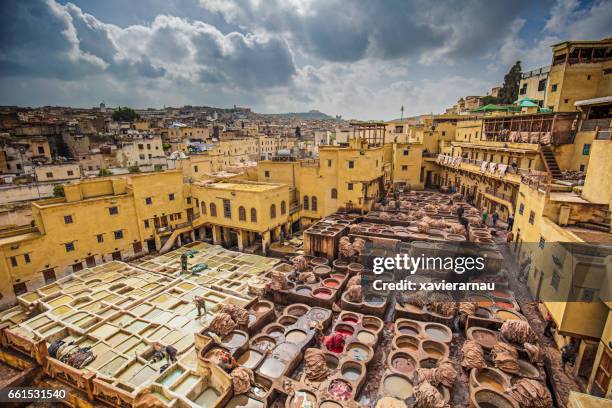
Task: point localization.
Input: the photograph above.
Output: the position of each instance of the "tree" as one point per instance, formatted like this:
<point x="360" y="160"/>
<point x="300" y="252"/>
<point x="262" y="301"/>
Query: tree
<point x="298" y="132"/>
<point x="58" y="190"/>
<point x="104" y="172"/>
<point x="510" y="89"/>
<point x="166" y="146"/>
<point x="134" y="169"/>
<point x="124" y="114"/>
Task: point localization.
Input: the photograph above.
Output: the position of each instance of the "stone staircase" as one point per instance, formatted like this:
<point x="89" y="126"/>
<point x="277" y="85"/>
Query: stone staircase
<point x="550" y="162"/>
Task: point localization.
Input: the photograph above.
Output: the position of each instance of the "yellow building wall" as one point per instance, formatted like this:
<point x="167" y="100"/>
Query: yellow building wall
<point x="600" y="168"/>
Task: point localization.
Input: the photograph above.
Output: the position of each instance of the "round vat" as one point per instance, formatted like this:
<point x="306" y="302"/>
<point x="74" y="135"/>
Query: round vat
<point x="264" y="343"/>
<point x="482" y="300"/>
<point x="250" y="359"/>
<point x="489" y="378"/>
<point x="331" y="361"/>
<point x="486" y="398"/>
<point x="366" y="337"/>
<point x="508" y="315"/>
<point x="296" y="310"/>
<point x="275" y="330"/>
<point x="295" y="336"/>
<point x="484" y="312"/>
<point x="319" y="261"/>
<point x="501" y="294"/>
<point x="485" y="337"/>
<point x="355" y="267"/>
<point x="351" y="371"/>
<point x="330" y="404"/>
<point x="438" y="332"/>
<point x="261" y="307"/>
<point x="402" y="362"/>
<point x="504" y="305"/>
<point x="371" y="323"/>
<point x="322" y="293"/>
<point x="358" y="351"/>
<point x="345" y="329"/>
<point x="272" y="367"/>
<point x="341" y="390"/>
<point x="349" y="318"/>
<point x="303" y="290"/>
<point x="429" y="362"/>
<point x="398" y="386"/>
<point x="340" y="265"/>
<point x="338" y="276"/>
<point x="406" y="342"/>
<point x="373" y="299"/>
<point x="331" y="283"/>
<point x="434" y="349"/>
<point x="287" y="320"/>
<point x="408" y="328"/>
<point x="322" y="270"/>
<point x="455" y="237"/>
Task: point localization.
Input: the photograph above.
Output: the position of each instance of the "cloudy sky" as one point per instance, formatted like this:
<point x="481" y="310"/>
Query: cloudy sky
<point x="360" y="59"/>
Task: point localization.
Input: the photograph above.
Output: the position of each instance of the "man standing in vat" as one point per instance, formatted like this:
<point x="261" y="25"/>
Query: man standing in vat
<point x="200" y="303"/>
<point x="184" y="263"/>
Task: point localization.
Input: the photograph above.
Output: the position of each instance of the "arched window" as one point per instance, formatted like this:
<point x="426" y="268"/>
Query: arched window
<point x="273" y="211"/>
<point x="241" y="213"/>
<point x="283" y="207"/>
<point x="213" y="210"/>
<point x="334" y="193"/>
<point x="313" y="203"/>
<point x="203" y="205"/>
<point x="305" y="202"/>
<point x="253" y="215"/>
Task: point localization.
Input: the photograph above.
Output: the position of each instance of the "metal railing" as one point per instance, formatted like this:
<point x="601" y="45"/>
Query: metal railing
<point x="498" y="194"/>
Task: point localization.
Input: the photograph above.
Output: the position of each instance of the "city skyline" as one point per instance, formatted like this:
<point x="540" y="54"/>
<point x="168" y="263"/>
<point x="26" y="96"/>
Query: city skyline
<point x="355" y="60"/>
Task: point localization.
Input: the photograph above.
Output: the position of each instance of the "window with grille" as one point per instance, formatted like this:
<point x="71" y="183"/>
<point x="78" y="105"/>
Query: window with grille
<point x="253" y="215"/>
<point x="283" y="207"/>
<point x="273" y="211"/>
<point x="313" y="202"/>
<point x="227" y="209"/>
<point x="241" y="213"/>
<point x="213" y="210"/>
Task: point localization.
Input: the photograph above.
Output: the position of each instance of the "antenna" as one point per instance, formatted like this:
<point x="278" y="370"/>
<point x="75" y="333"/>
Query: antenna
<point x="402" y="112"/>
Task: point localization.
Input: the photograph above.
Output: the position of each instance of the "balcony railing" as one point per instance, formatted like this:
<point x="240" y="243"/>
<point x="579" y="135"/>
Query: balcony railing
<point x="499" y="194"/>
<point x="478" y="163"/>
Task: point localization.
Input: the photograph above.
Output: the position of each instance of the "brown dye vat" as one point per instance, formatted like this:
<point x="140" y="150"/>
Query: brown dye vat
<point x="340" y="265"/>
<point x="296" y="310"/>
<point x="406" y="342"/>
<point x="501" y="294"/>
<point x="455" y="237"/>
<point x="482" y="300"/>
<point x="486" y="398"/>
<point x="398" y="386"/>
<point x="322" y="270"/>
<point x="434" y="349"/>
<point x="428" y="362"/>
<point x="355" y="267"/>
<point x="486" y="338"/>
<point x="484" y="313"/>
<point x="319" y="261"/>
<point x="438" y="332"/>
<point x="371" y="323"/>
<point x="403" y="362"/>
<point x="504" y="305"/>
<point x="287" y="320"/>
<point x="242" y="401"/>
<point x="508" y="315"/>
<point x="331" y="361"/>
<point x="488" y="378"/>
<point x="409" y="328"/>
